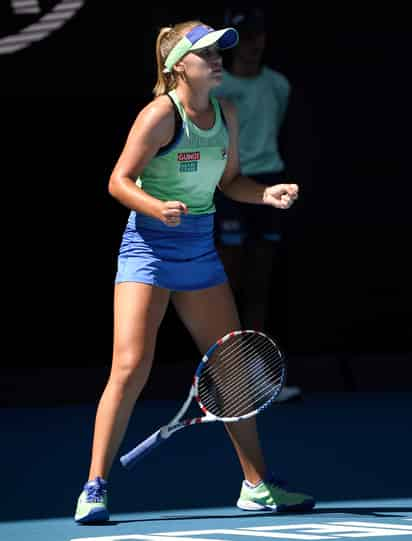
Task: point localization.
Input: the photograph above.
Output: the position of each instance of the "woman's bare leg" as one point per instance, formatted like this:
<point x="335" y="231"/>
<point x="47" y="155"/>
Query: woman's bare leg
<point x="209" y="314"/>
<point x="138" y="312"/>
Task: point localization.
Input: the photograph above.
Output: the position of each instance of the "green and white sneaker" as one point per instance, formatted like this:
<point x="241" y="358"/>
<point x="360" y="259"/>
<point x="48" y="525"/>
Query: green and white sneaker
<point x="92" y="503"/>
<point x="270" y="495"/>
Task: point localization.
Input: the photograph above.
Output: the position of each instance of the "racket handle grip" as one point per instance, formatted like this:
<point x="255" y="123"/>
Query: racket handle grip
<point x="140" y="451"/>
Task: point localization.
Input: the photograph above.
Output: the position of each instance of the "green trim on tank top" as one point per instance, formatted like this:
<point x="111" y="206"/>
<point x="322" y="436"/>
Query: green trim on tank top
<point x="187" y="123"/>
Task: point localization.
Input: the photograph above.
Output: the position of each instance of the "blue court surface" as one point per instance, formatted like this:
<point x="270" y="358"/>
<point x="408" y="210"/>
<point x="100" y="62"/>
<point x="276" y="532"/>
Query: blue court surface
<point x="352" y="451"/>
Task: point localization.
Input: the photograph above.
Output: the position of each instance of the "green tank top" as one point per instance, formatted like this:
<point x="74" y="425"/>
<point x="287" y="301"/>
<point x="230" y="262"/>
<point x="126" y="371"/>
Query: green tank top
<point x="190" y="170"/>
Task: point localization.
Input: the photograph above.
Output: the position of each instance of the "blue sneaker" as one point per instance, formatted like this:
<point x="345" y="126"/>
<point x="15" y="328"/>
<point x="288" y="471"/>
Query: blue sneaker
<point x="92" y="503"/>
<point x="271" y="495"/>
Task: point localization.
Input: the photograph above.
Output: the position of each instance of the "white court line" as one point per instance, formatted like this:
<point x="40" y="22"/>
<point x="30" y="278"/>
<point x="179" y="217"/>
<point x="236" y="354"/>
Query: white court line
<point x="138" y="537"/>
<point x="375" y="525"/>
<point x="252" y="533"/>
<point x="283" y="527"/>
<point x="303" y="531"/>
<point x="156" y="537"/>
<point x="312" y="525"/>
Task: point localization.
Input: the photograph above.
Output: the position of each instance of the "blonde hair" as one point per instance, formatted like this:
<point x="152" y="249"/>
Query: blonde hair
<point x="169" y="37"/>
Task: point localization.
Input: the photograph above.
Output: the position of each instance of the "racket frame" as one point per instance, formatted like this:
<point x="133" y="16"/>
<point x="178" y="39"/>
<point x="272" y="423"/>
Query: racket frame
<point x="177" y="423"/>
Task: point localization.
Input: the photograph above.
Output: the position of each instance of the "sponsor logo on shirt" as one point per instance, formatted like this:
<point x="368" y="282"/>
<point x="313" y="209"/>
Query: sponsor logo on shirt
<point x="188" y="161"/>
<point x="188" y="156"/>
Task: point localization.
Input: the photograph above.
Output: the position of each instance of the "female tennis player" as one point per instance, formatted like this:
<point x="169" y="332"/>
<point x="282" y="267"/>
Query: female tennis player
<point x="181" y="147"/>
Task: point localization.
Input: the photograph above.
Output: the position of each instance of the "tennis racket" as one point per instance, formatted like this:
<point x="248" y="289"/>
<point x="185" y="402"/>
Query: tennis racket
<point x="237" y="378"/>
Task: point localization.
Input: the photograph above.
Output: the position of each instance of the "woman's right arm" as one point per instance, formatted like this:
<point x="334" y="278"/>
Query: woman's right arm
<point x="152" y="129"/>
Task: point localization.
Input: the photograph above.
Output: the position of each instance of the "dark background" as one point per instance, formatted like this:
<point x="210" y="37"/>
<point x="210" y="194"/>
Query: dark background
<point x="342" y="288"/>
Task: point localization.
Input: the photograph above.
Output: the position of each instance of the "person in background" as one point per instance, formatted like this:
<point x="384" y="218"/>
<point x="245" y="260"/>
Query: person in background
<point x="248" y="236"/>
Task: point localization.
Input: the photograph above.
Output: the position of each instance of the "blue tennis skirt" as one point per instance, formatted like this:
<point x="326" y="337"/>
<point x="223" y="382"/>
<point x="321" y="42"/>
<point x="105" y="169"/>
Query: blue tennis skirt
<point x="181" y="258"/>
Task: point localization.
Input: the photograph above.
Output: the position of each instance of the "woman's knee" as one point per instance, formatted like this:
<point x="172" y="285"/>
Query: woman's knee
<point x="131" y="368"/>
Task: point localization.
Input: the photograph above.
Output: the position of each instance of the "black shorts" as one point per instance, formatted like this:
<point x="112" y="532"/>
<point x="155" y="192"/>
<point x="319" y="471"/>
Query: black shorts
<point x="235" y="222"/>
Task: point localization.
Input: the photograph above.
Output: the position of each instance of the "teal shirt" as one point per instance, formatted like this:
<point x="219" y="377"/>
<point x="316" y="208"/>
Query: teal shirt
<point x="190" y="171"/>
<point x="261" y="103"/>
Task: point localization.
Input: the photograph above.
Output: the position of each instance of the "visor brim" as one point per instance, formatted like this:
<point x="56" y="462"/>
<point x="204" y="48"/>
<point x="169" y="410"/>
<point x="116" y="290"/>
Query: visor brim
<point x="225" y="39"/>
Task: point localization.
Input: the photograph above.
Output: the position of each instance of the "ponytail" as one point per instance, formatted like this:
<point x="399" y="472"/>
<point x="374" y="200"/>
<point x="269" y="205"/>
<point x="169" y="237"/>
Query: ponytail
<point x="168" y="37"/>
<point x="165" y="81"/>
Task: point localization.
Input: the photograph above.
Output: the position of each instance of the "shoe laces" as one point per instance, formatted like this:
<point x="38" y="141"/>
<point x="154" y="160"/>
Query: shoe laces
<point x="96" y="491"/>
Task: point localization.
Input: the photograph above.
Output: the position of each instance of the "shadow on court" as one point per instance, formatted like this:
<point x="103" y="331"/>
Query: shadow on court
<point x="384" y="512"/>
<point x="339" y="447"/>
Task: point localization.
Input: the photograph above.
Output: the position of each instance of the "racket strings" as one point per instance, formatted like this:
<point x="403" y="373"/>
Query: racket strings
<point x="228" y="385"/>
<point x="232" y="347"/>
<point x="229" y="366"/>
<point x="245" y="350"/>
<point x="243" y="375"/>
<point x="235" y="358"/>
<point x="232" y="354"/>
<point x="253" y="399"/>
<point x="239" y="395"/>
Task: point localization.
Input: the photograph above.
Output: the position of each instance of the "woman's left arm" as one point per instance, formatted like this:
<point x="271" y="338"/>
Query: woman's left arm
<point x="242" y="188"/>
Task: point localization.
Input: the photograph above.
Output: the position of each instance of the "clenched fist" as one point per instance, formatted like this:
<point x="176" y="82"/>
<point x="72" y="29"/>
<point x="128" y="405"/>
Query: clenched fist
<point x="281" y="196"/>
<point x="171" y="212"/>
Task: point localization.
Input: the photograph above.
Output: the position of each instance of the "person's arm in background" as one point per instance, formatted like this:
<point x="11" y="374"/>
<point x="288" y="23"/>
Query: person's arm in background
<point x="283" y="93"/>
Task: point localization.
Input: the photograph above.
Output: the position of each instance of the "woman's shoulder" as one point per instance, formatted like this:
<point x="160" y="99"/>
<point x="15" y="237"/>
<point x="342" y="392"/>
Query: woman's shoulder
<point x="158" y="112"/>
<point x="156" y="121"/>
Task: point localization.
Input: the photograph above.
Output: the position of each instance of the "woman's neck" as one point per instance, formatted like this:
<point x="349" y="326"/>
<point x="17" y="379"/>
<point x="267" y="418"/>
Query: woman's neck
<point x="193" y="100"/>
